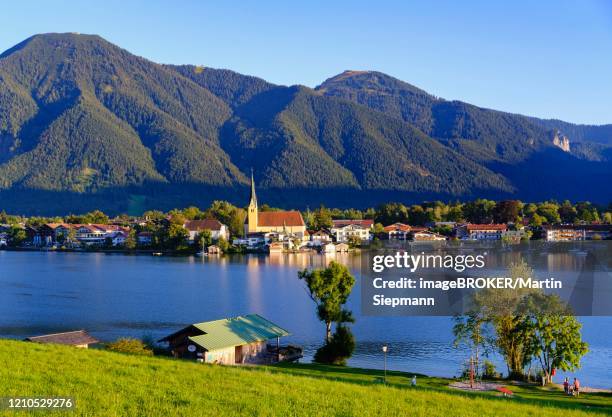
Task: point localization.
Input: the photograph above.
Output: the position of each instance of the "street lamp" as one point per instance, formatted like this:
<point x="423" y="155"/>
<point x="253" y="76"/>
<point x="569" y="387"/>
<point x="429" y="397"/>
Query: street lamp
<point x="384" y="349"/>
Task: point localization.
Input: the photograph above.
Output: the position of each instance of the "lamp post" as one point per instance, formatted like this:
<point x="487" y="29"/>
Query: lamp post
<point x="384" y="349"/>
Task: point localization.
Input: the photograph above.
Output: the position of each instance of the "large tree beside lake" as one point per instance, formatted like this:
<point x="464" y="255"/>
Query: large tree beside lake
<point x="330" y="288"/>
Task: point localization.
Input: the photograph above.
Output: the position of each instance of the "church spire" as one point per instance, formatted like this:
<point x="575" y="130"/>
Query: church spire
<point x="253" y="201"/>
<point x="252" y="217"/>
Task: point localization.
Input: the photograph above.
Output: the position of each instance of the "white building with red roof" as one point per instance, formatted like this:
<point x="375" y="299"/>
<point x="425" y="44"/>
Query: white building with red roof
<point x="217" y="229"/>
<point x="472" y="231"/>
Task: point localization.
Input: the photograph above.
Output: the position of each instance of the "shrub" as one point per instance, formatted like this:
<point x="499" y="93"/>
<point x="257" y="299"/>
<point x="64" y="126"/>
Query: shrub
<point x="339" y="348"/>
<point x="489" y="371"/>
<point x="133" y="346"/>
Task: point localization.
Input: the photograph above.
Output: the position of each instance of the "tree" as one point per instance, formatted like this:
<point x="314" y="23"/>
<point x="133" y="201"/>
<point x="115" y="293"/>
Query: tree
<point x="469" y="330"/>
<point x="176" y="237"/>
<point x="550" y="211"/>
<point x="96" y="216"/>
<point x="330" y="288"/>
<point x="228" y="214"/>
<point x="16" y="236"/>
<point x="500" y="308"/>
<point x="479" y="211"/>
<point x="378" y="229"/>
<point x="192" y="213"/>
<point x="338" y="349"/>
<point x="71" y="236"/>
<point x="567" y="212"/>
<point x="203" y="239"/>
<point x="130" y="240"/>
<point x="551" y="334"/>
<point x="507" y="211"/>
<point x="322" y="219"/>
<point x="392" y="213"/>
<point x="223" y="244"/>
<point x="586" y="212"/>
<point x="354" y="241"/>
<point x="418" y="216"/>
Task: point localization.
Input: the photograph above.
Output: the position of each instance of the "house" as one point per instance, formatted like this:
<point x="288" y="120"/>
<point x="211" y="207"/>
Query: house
<point x="42" y="235"/>
<point x="252" y="241"/>
<point x="118" y="238"/>
<point x="598" y="231"/>
<point x="78" y="338"/>
<point x="515" y="235"/>
<point x="342" y="247"/>
<point x="3" y="240"/>
<point x="144" y="238"/>
<point x="471" y="231"/>
<point x="217" y="229"/>
<point x="344" y="230"/>
<point x="365" y="223"/>
<point x="276" y="247"/>
<point x="287" y="222"/>
<point x="51" y="233"/>
<point x="238" y="340"/>
<point x="400" y="231"/>
<point x="396" y="231"/>
<point x="214" y="250"/>
<point x="319" y="238"/>
<point x="426" y="236"/>
<point x="96" y="234"/>
<point x="565" y="232"/>
<point x="328" y="248"/>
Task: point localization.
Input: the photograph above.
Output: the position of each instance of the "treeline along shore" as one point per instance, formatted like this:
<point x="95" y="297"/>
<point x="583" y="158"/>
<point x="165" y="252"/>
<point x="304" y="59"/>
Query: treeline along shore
<point x="224" y="227"/>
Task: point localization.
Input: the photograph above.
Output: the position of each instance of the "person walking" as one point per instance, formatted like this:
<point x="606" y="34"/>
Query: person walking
<point x="566" y="386"/>
<point x="576" y="387"/>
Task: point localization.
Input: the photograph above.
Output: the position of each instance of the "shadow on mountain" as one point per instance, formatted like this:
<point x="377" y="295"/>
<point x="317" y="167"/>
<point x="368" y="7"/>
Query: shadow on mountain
<point x="558" y="175"/>
<point x="136" y="200"/>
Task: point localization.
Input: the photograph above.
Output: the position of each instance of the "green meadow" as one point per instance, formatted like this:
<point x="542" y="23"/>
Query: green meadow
<point x="105" y="383"/>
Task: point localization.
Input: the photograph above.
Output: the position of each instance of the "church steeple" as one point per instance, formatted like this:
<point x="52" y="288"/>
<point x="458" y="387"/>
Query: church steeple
<point x="251" y="226"/>
<point x="253" y="200"/>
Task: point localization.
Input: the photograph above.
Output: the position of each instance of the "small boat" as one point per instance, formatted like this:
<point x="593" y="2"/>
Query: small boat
<point x="157" y="254"/>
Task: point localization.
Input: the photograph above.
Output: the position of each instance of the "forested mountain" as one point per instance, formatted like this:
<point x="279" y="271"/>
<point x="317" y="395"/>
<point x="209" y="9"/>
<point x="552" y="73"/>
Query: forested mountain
<point x="80" y="117"/>
<point x="483" y="134"/>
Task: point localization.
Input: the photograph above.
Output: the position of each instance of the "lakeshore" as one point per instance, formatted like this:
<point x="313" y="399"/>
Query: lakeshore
<point x="111" y="296"/>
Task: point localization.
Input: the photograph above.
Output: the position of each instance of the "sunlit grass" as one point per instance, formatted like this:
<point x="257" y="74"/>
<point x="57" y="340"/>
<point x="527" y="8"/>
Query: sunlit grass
<point x="113" y="384"/>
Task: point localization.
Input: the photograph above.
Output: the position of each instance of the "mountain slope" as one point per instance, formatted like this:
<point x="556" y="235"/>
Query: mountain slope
<point x="481" y="133"/>
<point x="127" y="101"/>
<point x="324" y="141"/>
<point x="80" y="116"/>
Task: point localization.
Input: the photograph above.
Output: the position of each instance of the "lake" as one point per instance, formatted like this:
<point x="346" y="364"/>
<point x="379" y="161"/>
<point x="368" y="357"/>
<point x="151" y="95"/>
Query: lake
<point x="115" y="295"/>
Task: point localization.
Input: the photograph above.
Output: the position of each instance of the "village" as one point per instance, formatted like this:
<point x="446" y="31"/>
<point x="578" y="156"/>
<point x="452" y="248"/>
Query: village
<point x="266" y="230"/>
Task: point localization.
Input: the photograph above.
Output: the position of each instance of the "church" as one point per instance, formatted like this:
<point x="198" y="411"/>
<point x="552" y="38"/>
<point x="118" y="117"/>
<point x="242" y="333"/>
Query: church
<point x="285" y="222"/>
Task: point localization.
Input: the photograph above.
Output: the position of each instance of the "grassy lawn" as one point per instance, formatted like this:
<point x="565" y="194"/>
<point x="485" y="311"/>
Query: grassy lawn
<point x="112" y="384"/>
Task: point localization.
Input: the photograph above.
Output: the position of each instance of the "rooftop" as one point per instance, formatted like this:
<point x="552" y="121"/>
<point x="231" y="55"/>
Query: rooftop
<point x="357" y="222"/>
<point x="236" y="331"/>
<point x="78" y="337"/>
<point x="492" y="226"/>
<point x="199" y="225"/>
<point x="280" y="218"/>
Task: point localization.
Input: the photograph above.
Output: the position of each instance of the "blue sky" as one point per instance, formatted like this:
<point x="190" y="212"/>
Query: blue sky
<point x="547" y="59"/>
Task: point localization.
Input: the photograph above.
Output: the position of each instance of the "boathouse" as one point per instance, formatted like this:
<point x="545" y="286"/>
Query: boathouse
<point x="237" y="340"/>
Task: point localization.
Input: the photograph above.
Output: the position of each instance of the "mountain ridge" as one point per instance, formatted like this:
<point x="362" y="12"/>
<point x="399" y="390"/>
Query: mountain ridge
<point x="81" y="115"/>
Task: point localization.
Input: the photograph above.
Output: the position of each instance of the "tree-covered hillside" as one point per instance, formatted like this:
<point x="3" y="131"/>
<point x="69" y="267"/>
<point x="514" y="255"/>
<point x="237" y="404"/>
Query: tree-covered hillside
<point x="82" y="117"/>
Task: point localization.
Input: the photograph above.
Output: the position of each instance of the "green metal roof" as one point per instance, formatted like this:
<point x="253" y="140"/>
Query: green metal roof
<point x="236" y="331"/>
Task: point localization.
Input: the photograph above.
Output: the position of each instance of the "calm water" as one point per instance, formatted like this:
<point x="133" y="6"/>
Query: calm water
<point x="118" y="295"/>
